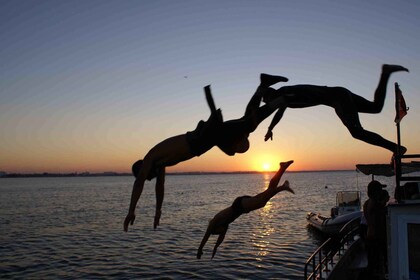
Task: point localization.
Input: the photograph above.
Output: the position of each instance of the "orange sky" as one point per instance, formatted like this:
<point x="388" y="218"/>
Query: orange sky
<point x="93" y="87"/>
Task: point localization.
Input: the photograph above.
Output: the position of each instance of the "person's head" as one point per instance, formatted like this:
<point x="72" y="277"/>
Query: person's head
<point x="269" y="95"/>
<point x="218" y="224"/>
<point x="238" y="145"/>
<point x="135" y="169"/>
<point x="374" y="189"/>
<point x="242" y="146"/>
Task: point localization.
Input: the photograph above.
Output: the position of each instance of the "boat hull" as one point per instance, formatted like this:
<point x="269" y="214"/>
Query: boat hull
<point x="329" y="225"/>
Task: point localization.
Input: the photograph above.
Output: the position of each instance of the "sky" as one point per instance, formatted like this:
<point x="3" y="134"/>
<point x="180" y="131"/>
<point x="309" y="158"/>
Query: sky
<point x="93" y="85"/>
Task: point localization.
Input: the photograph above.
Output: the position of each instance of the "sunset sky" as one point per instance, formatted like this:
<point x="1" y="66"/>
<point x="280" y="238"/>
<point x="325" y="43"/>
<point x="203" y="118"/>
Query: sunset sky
<point x="93" y="85"/>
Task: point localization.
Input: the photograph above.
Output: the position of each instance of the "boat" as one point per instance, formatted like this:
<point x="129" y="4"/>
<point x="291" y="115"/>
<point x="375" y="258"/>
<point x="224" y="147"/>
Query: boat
<point x="348" y="207"/>
<point x="344" y="256"/>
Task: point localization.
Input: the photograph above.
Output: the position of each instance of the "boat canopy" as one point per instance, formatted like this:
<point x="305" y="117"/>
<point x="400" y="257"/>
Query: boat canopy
<point x="386" y="169"/>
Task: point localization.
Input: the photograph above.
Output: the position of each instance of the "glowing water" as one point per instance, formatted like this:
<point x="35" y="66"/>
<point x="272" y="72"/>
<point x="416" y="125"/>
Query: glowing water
<point x="72" y="227"/>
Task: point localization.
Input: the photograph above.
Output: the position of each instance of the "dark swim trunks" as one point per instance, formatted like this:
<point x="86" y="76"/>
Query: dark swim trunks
<point x="204" y="137"/>
<point x="237" y="206"/>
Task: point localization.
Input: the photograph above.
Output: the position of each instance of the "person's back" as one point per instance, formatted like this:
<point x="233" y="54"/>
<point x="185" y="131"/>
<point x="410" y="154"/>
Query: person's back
<point x="302" y="96"/>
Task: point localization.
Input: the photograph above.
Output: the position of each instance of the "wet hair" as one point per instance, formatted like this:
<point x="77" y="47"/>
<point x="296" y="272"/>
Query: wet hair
<point x="136" y="167"/>
<point x="242" y="146"/>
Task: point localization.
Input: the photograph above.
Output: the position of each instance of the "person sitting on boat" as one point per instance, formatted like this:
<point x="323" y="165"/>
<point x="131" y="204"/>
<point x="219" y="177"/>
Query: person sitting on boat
<point x="230" y="136"/>
<point x="347" y="105"/>
<point x="241" y="205"/>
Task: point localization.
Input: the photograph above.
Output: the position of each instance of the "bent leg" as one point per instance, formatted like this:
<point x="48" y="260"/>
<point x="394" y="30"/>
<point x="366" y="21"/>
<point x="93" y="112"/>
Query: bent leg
<point x="373" y="138"/>
<point x="276" y="178"/>
<point x="265" y="82"/>
<point x="376" y="106"/>
<point x="260" y="200"/>
<point x="350" y="119"/>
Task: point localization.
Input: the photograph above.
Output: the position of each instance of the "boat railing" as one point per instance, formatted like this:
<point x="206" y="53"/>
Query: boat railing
<point x="322" y="260"/>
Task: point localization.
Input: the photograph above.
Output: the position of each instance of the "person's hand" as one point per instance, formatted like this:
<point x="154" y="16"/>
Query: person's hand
<point x="157" y="218"/>
<point x="199" y="253"/>
<point x="269" y="135"/>
<point x="129" y="220"/>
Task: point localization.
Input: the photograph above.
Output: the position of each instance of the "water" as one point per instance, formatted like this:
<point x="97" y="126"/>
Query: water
<point x="72" y="227"/>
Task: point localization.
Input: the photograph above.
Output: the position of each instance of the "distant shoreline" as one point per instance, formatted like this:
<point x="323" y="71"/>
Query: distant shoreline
<point x="112" y="174"/>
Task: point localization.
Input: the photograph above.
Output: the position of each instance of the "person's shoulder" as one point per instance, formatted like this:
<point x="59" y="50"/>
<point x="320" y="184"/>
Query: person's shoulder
<point x="366" y="204"/>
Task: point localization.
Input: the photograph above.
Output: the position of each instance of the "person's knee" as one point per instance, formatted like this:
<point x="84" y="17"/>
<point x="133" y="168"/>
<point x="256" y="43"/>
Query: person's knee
<point x="268" y="94"/>
<point x="376" y="108"/>
<point x="356" y="131"/>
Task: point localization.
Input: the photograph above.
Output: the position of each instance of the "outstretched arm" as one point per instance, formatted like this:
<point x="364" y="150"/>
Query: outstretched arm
<point x="160" y="191"/>
<point x="135" y="195"/>
<point x="141" y="176"/>
<point x="218" y="242"/>
<point x="210" y="229"/>
<point x="203" y="242"/>
<point x="277" y="117"/>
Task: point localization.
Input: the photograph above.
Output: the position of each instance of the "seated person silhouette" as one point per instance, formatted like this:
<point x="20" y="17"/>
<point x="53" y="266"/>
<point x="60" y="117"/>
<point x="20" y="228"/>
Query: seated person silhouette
<point x="219" y="225"/>
<point x="230" y="136"/>
<point x="347" y="105"/>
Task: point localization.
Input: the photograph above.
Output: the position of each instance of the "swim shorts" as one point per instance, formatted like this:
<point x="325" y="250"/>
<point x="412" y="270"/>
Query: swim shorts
<point x="237" y="206"/>
<point x="204" y="137"/>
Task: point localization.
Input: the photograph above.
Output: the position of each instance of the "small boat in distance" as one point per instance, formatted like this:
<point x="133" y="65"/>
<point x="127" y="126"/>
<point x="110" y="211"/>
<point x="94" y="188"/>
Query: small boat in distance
<point x="348" y="207"/>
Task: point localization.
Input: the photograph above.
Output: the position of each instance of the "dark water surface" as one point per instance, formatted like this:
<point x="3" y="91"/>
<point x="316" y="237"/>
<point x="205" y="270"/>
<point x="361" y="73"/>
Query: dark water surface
<point x="72" y="227"/>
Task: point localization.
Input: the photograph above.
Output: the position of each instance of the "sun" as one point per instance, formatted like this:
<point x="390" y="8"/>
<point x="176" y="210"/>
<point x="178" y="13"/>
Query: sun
<point x="265" y="163"/>
<point x="266" y="166"/>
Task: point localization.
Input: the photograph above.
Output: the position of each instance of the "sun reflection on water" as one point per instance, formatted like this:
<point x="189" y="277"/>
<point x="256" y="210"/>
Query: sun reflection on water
<point x="264" y="232"/>
<point x="261" y="236"/>
<point x="267" y="178"/>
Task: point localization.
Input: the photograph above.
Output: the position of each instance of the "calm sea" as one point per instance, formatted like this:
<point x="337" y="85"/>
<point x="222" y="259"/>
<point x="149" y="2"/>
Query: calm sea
<point x="58" y="228"/>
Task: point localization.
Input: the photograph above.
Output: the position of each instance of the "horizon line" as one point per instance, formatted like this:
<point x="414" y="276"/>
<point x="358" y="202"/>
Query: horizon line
<point x="113" y="173"/>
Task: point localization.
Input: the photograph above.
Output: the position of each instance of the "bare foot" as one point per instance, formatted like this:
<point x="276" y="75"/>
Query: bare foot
<point x="285" y="165"/>
<point x="269" y="80"/>
<point x="390" y="68"/>
<point x="286" y="187"/>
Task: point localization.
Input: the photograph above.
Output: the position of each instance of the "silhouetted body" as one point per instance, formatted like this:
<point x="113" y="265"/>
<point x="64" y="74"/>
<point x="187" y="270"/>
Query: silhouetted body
<point x="374" y="210"/>
<point x="241" y="205"/>
<point x="347" y="105"/>
<point x="230" y="136"/>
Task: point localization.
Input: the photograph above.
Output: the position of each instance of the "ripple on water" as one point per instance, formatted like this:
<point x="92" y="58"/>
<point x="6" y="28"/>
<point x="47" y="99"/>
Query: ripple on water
<point x="77" y="232"/>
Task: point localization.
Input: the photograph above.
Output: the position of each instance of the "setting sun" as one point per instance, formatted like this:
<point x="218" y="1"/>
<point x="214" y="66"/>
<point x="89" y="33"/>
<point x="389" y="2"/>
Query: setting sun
<point x="265" y="163"/>
<point x="266" y="166"/>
